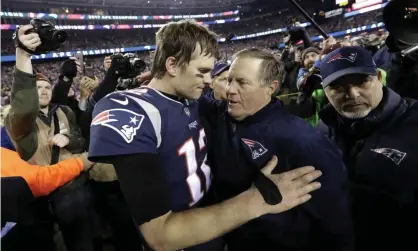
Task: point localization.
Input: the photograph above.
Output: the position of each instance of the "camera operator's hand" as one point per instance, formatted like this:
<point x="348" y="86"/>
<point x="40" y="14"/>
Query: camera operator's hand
<point x="107" y="62"/>
<point x="87" y="86"/>
<point x="69" y="69"/>
<point x="144" y="77"/>
<point x="298" y="55"/>
<point x="60" y="140"/>
<point x="329" y="41"/>
<point x="30" y="41"/>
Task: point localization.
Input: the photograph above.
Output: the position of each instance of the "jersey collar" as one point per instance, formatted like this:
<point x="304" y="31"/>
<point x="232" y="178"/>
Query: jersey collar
<point x="271" y="109"/>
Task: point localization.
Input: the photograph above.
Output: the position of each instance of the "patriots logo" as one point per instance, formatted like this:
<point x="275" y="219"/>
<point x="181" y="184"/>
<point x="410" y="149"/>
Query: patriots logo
<point x="395" y="155"/>
<point x="352" y="57"/>
<point x="256" y="148"/>
<point x="122" y="121"/>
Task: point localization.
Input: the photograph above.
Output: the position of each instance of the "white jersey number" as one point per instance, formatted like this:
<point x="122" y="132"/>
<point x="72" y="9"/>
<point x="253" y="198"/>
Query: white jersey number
<point x="194" y="181"/>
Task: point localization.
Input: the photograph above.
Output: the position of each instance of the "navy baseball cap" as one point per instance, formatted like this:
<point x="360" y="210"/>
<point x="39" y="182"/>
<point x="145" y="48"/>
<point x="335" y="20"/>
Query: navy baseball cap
<point x="345" y="61"/>
<point x="219" y="68"/>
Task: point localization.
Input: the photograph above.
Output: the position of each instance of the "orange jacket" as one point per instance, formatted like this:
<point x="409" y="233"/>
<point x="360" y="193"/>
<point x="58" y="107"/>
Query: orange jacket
<point x="42" y="180"/>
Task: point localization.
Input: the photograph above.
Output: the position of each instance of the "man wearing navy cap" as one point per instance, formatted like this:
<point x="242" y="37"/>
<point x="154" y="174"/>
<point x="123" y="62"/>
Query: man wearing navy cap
<point x="219" y="80"/>
<point x="377" y="131"/>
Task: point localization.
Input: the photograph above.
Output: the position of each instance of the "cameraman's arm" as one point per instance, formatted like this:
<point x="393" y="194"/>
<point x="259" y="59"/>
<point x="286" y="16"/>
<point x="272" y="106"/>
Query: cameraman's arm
<point x="285" y="54"/>
<point x="77" y="143"/>
<point x="20" y="122"/>
<point x="307" y="42"/>
<point x="68" y="72"/>
<point x="107" y="86"/>
<point x="60" y="91"/>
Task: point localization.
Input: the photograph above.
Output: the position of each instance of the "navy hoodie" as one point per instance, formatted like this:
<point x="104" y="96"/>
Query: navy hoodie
<point x="238" y="150"/>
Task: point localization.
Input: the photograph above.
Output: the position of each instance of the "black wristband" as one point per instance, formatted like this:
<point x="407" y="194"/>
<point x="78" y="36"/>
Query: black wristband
<point x="271" y="194"/>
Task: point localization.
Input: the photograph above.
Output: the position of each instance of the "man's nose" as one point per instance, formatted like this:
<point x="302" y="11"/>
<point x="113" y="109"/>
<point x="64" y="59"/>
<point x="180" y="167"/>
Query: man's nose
<point x="207" y="80"/>
<point x="352" y="91"/>
<point x="231" y="88"/>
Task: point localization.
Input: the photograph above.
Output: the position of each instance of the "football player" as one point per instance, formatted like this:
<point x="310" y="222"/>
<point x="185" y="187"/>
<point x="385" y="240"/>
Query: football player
<point x="153" y="137"/>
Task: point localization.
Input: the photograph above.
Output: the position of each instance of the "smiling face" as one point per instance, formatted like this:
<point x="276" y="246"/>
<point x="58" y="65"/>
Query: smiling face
<point x="310" y="59"/>
<point x="44" y="92"/>
<point x="354" y="96"/>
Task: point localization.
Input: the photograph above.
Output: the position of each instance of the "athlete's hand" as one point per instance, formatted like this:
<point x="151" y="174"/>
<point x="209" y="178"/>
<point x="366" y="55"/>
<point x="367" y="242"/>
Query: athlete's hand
<point x="59" y="140"/>
<point x="294" y="186"/>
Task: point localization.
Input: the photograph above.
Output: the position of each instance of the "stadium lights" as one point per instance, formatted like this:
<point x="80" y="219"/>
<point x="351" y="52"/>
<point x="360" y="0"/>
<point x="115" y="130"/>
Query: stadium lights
<point x="108" y="17"/>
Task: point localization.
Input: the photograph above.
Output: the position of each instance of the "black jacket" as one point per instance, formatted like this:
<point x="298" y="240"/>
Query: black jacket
<point x="381" y="156"/>
<point x="25" y="217"/>
<point x="236" y="157"/>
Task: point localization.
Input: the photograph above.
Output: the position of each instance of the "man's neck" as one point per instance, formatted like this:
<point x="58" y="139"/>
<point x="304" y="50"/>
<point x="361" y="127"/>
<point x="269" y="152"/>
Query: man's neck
<point x="44" y="110"/>
<point x="216" y="96"/>
<point x="162" y="85"/>
<point x="259" y="109"/>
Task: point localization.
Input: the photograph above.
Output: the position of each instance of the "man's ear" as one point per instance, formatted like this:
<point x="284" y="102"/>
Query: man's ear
<point x="211" y="84"/>
<point x="273" y="88"/>
<point x="379" y="76"/>
<point x="171" y="66"/>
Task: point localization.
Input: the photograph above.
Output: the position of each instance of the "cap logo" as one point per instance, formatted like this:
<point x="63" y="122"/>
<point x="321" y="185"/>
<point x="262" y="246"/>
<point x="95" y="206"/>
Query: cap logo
<point x="352" y="57"/>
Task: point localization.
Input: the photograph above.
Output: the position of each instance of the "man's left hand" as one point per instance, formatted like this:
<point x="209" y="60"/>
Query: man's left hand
<point x="60" y="140"/>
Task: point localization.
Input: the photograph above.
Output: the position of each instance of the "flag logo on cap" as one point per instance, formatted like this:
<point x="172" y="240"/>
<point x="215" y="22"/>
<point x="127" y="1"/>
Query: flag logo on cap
<point x="352" y="57"/>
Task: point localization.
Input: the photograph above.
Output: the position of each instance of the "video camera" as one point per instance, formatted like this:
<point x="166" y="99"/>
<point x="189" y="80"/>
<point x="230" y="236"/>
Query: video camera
<point x="128" y="65"/>
<point x="51" y="38"/>
<point x="401" y="19"/>
<point x="295" y="33"/>
<point x="127" y="84"/>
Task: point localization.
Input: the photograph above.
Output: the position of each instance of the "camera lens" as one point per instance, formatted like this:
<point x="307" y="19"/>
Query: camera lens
<point x="60" y="36"/>
<point x="138" y="66"/>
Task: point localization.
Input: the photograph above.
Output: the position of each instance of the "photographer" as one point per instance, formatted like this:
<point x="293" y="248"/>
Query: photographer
<point x="61" y="93"/>
<point x="400" y="18"/>
<point x="44" y="133"/>
<point x="311" y="96"/>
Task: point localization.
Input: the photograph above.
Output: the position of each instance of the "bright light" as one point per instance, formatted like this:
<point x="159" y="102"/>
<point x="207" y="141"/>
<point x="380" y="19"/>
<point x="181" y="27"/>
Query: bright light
<point x="66" y="11"/>
<point x="148" y="1"/>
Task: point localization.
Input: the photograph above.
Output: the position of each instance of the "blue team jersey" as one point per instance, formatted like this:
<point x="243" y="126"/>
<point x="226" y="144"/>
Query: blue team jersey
<point x="144" y="120"/>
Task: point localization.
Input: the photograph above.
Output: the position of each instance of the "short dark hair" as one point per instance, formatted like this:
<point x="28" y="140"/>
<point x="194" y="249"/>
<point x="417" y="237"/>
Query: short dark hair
<point x="179" y="40"/>
<point x="42" y="77"/>
<point x="272" y="68"/>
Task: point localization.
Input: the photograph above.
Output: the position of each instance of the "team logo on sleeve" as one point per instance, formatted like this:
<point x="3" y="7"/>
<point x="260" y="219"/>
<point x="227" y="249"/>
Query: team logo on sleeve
<point x="256" y="148"/>
<point x="122" y="121"/>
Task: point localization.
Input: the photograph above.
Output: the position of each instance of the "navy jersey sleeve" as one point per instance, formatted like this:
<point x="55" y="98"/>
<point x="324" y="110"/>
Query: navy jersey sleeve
<point x="142" y="180"/>
<point x="208" y="107"/>
<point x="121" y="126"/>
<point x="330" y="205"/>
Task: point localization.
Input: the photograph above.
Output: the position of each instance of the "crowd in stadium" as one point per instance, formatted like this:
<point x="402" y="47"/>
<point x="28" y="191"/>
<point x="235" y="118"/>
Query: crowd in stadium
<point x="103" y="39"/>
<point x="281" y="141"/>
